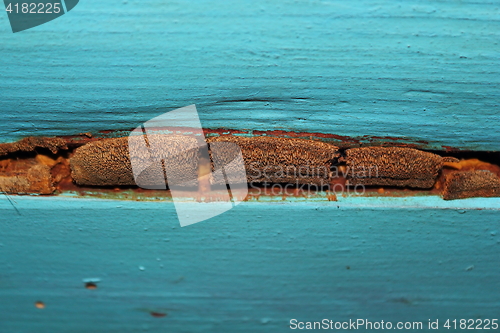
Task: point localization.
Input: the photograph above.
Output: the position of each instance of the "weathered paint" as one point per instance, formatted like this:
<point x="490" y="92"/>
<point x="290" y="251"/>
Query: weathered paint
<point x="251" y="269"/>
<point x="426" y="72"/>
<point x="411" y="69"/>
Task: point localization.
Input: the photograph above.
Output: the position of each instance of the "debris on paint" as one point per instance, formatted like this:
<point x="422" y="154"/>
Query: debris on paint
<point x="91" y="283"/>
<point x="40" y="305"/>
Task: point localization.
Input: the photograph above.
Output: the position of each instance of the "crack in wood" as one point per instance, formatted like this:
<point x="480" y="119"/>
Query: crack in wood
<point x="47" y="166"/>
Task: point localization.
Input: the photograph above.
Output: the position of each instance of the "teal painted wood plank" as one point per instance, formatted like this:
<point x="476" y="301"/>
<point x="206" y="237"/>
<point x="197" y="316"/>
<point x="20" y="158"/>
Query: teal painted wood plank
<point x="414" y="69"/>
<point x="251" y="269"/>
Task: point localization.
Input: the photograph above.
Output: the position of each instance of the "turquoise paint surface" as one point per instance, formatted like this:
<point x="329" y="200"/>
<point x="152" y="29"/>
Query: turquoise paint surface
<point x="418" y="70"/>
<point x="414" y="69"/>
<point x="251" y="269"/>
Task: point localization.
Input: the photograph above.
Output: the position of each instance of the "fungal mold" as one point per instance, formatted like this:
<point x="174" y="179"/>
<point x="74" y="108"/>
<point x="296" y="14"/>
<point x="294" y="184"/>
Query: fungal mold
<point x="103" y="166"/>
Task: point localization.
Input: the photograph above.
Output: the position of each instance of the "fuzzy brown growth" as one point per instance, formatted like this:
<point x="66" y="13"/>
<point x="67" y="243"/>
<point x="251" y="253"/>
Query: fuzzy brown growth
<point x="31" y="143"/>
<point x="177" y="158"/>
<point x="392" y="167"/>
<point x="468" y="184"/>
<point x="107" y="162"/>
<point x="281" y="160"/>
<point x="102" y="163"/>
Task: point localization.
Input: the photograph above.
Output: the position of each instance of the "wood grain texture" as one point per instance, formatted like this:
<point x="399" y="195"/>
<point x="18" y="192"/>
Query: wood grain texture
<point x="244" y="271"/>
<point x="418" y="70"/>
